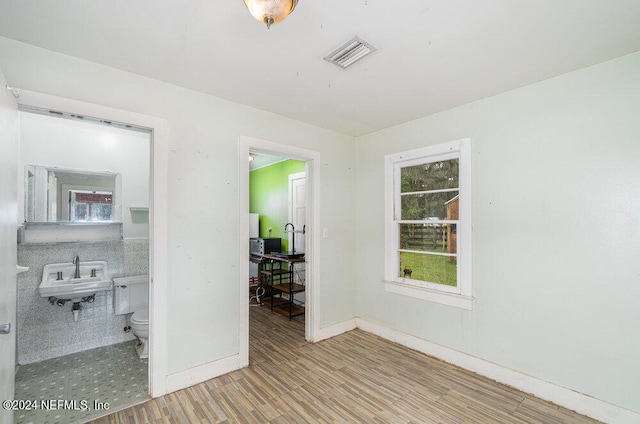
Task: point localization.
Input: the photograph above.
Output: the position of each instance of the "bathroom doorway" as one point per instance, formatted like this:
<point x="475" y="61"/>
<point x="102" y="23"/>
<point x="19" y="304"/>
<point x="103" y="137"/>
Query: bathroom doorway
<point x="148" y="247"/>
<point x="285" y="305"/>
<point x="86" y="197"/>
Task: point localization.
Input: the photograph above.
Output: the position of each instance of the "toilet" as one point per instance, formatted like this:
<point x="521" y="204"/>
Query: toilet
<point x="131" y="294"/>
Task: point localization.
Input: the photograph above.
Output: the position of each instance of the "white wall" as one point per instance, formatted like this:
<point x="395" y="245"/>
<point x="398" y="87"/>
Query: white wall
<point x="556" y="202"/>
<point x="203" y="193"/>
<point x="556" y="231"/>
<point x="51" y="141"/>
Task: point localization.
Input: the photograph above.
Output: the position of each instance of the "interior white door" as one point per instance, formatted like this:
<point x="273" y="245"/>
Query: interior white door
<point x="298" y="217"/>
<point x="297" y="209"/>
<point x="8" y="248"/>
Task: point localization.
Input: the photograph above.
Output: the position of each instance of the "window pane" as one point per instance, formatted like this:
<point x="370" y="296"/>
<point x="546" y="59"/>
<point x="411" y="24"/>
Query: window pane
<point x="97" y="206"/>
<point x="427" y="237"/>
<point x="428" y="205"/>
<point x="430" y="176"/>
<point x="80" y="212"/>
<point x="100" y="212"/>
<point x="430" y="268"/>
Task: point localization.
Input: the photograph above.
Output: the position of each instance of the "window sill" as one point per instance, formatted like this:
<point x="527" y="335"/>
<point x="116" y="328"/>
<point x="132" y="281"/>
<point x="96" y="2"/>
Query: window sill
<point x="449" y="299"/>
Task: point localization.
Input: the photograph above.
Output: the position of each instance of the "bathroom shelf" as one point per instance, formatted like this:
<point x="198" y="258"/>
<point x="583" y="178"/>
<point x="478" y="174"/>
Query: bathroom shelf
<point x="70" y="232"/>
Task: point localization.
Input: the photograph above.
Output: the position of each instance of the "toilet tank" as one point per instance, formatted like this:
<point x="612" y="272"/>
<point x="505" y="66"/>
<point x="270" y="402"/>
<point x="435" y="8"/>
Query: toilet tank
<point x="130" y="294"/>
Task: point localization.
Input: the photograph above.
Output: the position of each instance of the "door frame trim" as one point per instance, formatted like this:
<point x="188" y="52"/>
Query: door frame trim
<point x="312" y="275"/>
<point x="158" y="241"/>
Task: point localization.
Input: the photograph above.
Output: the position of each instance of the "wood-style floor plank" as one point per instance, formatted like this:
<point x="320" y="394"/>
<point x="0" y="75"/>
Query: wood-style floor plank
<point x="352" y="378"/>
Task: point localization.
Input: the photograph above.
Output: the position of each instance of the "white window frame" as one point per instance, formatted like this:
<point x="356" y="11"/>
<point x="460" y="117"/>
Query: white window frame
<point x="460" y="296"/>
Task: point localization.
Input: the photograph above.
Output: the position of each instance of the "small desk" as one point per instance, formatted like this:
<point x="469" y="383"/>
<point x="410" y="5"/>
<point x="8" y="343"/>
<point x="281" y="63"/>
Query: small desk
<point x="285" y="284"/>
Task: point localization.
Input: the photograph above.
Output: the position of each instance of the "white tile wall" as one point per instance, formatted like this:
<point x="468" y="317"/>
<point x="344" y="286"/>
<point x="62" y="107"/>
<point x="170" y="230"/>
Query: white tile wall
<point x="48" y="331"/>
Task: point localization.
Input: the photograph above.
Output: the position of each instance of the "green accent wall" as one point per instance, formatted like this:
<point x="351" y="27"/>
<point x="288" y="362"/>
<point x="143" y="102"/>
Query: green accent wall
<point x="269" y="196"/>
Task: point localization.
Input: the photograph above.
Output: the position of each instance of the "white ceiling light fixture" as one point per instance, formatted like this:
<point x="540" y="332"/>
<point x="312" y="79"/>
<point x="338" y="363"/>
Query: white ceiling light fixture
<point x="350" y="52"/>
<point x="270" y="11"/>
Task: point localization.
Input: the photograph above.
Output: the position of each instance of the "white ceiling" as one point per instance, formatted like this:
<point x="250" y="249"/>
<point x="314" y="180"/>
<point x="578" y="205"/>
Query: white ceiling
<point x="432" y="55"/>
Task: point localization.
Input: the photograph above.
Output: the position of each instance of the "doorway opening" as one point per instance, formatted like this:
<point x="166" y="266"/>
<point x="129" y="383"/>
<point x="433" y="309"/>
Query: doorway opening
<point x="153" y="215"/>
<point x="277" y="186"/>
<point x="80" y="177"/>
<point x="277" y="208"/>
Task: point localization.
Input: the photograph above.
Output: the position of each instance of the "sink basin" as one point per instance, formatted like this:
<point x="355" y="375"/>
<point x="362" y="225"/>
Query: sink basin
<point x="74" y="288"/>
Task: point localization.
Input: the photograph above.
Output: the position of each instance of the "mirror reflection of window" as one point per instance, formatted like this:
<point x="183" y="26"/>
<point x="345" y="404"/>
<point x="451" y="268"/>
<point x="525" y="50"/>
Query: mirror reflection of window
<point x="50" y="193"/>
<point x="90" y="206"/>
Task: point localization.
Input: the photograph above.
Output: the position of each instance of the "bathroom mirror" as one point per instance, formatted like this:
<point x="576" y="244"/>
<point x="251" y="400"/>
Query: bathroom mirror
<point x="75" y="196"/>
<point x="81" y="179"/>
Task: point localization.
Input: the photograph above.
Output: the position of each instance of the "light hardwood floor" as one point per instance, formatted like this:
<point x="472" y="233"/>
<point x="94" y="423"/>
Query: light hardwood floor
<point x="352" y="378"/>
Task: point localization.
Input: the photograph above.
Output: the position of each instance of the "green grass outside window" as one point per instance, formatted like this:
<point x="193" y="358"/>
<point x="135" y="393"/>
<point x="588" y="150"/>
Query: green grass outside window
<point x="430" y="268"/>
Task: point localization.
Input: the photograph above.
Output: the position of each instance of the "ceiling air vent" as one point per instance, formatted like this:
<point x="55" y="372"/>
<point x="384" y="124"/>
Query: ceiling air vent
<point x="350" y="52"/>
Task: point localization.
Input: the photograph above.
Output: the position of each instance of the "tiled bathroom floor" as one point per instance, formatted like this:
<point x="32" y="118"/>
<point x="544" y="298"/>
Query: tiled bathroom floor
<point x="111" y="374"/>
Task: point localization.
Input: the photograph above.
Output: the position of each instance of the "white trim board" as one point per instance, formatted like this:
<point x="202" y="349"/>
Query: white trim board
<point x="335" y="330"/>
<point x="192" y="376"/>
<point x="581" y="403"/>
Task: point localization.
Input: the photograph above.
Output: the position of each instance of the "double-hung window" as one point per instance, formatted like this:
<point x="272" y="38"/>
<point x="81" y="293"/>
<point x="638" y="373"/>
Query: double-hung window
<point x="428" y="223"/>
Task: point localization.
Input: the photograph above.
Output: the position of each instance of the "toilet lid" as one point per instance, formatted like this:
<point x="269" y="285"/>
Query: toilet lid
<point x="140" y="317"/>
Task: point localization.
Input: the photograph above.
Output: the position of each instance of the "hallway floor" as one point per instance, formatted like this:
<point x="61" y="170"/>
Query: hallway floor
<point x="112" y="374"/>
<point x="352" y="378"/>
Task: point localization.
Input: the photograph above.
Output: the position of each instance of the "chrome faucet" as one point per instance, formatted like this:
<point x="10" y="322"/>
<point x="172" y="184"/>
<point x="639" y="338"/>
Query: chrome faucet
<point x="294" y="231"/>
<point x="76" y="262"/>
<point x="293" y="239"/>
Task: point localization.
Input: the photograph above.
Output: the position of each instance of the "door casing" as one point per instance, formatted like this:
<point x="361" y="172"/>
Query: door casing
<point x="8" y="235"/>
<point x="312" y="160"/>
<point x="158" y="256"/>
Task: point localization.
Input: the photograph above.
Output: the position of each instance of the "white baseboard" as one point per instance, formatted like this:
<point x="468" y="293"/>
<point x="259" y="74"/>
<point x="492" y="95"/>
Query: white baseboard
<point x="187" y="378"/>
<point x="581" y="403"/>
<point x="334" y="330"/>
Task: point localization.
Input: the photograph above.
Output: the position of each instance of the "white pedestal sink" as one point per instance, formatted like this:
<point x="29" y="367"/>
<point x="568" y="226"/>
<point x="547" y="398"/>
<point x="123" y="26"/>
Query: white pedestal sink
<point x="58" y="280"/>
